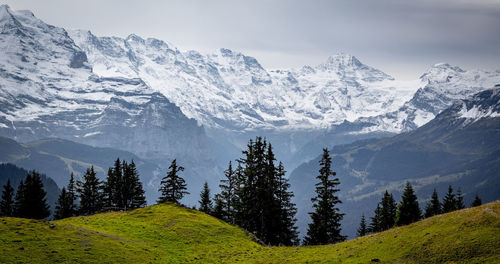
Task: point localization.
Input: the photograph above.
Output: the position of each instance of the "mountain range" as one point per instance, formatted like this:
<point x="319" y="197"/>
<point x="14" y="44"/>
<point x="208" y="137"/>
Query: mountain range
<point x="157" y="102"/>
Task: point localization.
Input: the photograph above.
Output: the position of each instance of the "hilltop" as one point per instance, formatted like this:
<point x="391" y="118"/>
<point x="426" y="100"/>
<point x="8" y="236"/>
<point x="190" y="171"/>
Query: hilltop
<point x="171" y="234"/>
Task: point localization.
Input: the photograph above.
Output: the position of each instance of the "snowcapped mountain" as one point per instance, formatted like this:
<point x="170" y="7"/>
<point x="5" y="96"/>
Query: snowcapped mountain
<point x="48" y="89"/>
<point x="230" y="90"/>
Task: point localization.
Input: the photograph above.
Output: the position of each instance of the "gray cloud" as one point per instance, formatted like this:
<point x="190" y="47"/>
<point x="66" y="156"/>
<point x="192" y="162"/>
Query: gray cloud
<point x="402" y="38"/>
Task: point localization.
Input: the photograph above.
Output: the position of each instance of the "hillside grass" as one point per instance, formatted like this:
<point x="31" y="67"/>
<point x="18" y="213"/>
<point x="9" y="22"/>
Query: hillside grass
<point x="171" y="234"/>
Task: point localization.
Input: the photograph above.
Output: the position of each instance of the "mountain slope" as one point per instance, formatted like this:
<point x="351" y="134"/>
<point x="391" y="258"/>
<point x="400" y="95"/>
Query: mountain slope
<point x="170" y="234"/>
<point x="461" y="146"/>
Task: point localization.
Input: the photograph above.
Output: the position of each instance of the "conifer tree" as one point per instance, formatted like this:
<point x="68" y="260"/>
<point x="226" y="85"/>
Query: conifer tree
<point x="91" y="197"/>
<point x="72" y="195"/>
<point x="20" y="201"/>
<point x="172" y="186"/>
<point x="112" y="188"/>
<point x="408" y="210"/>
<point x="460" y="200"/>
<point x="362" y="230"/>
<point x="449" y="201"/>
<point x="228" y="194"/>
<point x="287" y="234"/>
<point x="477" y="201"/>
<point x="433" y="207"/>
<point x="325" y="226"/>
<point x="375" y="224"/>
<point x="137" y="197"/>
<point x="218" y="210"/>
<point x="205" y="202"/>
<point x="388" y="211"/>
<point x="7" y="203"/>
<point x="64" y="205"/>
<point x="30" y="198"/>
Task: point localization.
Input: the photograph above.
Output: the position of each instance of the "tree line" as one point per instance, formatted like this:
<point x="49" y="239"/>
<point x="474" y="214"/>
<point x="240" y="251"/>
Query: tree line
<point x="122" y="190"/>
<point x="388" y="214"/>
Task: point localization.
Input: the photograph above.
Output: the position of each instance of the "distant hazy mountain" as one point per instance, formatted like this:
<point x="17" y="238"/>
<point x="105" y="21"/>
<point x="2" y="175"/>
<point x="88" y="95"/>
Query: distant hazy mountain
<point x="16" y="174"/>
<point x="461" y="147"/>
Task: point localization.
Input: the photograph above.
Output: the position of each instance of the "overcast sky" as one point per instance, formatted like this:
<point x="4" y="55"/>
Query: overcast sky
<point x="402" y="38"/>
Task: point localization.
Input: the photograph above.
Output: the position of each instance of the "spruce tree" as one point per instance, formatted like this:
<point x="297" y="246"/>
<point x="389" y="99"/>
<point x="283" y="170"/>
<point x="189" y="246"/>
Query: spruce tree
<point x="477" y="201"/>
<point x="325" y="226"/>
<point x="218" y="210"/>
<point x="172" y="186"/>
<point x="7" y="203"/>
<point x="460" y="200"/>
<point x="449" y="201"/>
<point x="72" y="195"/>
<point x="91" y="197"/>
<point x="433" y="207"/>
<point x="388" y="211"/>
<point x="362" y="230"/>
<point x="205" y="202"/>
<point x="375" y="224"/>
<point x="287" y="234"/>
<point x="137" y="199"/>
<point x="20" y="201"/>
<point x="408" y="210"/>
<point x="112" y="187"/>
<point x="228" y="194"/>
<point x="64" y="205"/>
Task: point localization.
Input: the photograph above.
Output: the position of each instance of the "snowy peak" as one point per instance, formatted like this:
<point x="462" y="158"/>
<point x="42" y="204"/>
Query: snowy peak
<point x="482" y="105"/>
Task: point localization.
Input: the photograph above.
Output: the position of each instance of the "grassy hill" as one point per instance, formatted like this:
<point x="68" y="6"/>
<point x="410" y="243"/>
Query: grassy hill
<point x="171" y="234"/>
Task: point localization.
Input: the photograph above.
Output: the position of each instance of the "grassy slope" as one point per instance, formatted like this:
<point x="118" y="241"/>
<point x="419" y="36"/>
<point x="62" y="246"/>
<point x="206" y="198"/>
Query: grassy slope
<point x="169" y="234"/>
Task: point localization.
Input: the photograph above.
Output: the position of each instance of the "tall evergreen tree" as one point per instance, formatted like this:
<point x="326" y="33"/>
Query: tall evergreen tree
<point x="64" y="205"/>
<point x="433" y="207"/>
<point x="362" y="230"/>
<point x="72" y="195"/>
<point x="137" y="197"/>
<point x="205" y="201"/>
<point x="287" y="234"/>
<point x="172" y="186"/>
<point x="477" y="201"/>
<point x="449" y="201"/>
<point x="218" y="210"/>
<point x="408" y="210"/>
<point x="325" y="226"/>
<point x="375" y="224"/>
<point x="20" y="201"/>
<point x="31" y="198"/>
<point x="460" y="200"/>
<point x="388" y="213"/>
<point x="112" y="188"/>
<point x="7" y="203"/>
<point x="228" y="194"/>
<point x="91" y="196"/>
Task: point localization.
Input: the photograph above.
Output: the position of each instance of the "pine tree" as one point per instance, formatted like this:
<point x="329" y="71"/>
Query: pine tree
<point x="7" y="203"/>
<point x="30" y="199"/>
<point x="228" y="194"/>
<point x="72" y="196"/>
<point x="112" y="188"/>
<point x="362" y="230"/>
<point x="287" y="234"/>
<point x="375" y="224"/>
<point x="449" y="201"/>
<point x="91" y="197"/>
<point x="64" y="205"/>
<point x="172" y="186"/>
<point x="433" y="207"/>
<point x="138" y="199"/>
<point x="325" y="226"/>
<point x="219" y="208"/>
<point x="477" y="201"/>
<point x="388" y="211"/>
<point x="408" y="210"/>
<point x="460" y="200"/>
<point x="205" y="202"/>
<point x="20" y="201"/>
